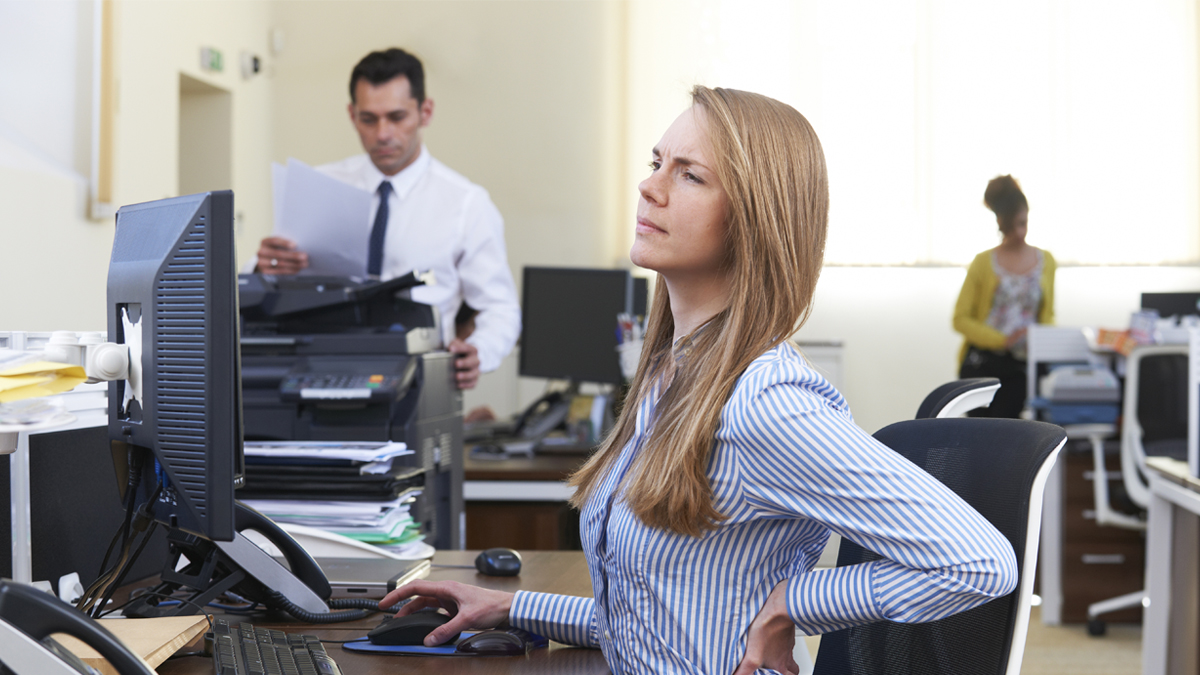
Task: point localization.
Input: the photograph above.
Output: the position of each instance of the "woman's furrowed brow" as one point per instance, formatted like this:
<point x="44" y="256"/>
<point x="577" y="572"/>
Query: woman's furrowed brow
<point x="685" y="161"/>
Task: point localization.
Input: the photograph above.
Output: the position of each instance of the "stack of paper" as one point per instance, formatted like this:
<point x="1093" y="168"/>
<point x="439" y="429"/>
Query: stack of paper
<point x="353" y="489"/>
<point x="389" y="525"/>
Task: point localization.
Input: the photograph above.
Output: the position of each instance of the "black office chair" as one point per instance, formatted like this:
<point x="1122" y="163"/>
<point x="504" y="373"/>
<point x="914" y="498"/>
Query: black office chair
<point x="953" y="399"/>
<point x="1000" y="467"/>
<point x="1154" y="424"/>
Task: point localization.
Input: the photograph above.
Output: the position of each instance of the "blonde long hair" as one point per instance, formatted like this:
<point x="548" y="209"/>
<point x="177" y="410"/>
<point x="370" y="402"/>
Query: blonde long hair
<point x="770" y="163"/>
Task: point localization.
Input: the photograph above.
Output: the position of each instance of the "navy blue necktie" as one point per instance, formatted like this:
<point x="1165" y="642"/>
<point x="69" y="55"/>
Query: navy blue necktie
<point x="379" y="231"/>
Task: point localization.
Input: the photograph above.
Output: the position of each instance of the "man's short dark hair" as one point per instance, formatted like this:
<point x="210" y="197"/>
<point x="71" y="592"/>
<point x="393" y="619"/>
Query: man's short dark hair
<point x="379" y="67"/>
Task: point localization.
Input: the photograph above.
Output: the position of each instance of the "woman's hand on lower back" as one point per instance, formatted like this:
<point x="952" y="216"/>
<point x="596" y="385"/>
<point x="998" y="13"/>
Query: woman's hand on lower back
<point x="772" y="637"/>
<point x="470" y="607"/>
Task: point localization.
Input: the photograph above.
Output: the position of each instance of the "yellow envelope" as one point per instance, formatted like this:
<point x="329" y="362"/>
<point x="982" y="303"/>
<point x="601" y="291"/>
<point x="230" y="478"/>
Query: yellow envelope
<point x="41" y="378"/>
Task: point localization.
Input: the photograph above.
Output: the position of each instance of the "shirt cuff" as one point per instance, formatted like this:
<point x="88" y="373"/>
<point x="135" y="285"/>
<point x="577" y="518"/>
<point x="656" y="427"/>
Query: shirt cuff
<point x="567" y="619"/>
<point x="824" y="600"/>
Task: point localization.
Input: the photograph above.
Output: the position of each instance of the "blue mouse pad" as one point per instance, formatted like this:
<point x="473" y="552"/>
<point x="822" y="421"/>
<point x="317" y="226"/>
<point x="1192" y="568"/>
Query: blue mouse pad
<point x="365" y="645"/>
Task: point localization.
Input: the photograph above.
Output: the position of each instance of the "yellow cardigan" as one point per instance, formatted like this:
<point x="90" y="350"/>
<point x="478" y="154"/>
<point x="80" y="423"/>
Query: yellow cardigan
<point x="975" y="303"/>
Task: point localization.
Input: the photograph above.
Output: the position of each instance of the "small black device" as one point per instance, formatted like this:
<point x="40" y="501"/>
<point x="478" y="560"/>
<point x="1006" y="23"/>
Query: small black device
<point x="498" y="562"/>
<point x="243" y="649"/>
<point x="500" y="642"/>
<point x="408" y="630"/>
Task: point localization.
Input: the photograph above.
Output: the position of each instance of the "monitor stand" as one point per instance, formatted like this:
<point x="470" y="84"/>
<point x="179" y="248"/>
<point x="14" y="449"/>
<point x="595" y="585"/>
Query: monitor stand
<point x="211" y="568"/>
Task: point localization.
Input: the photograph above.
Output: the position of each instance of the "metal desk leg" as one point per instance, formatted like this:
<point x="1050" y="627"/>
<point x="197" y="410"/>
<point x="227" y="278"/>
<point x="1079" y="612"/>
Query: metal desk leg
<point x="1155" y="625"/>
<point x="22" y="551"/>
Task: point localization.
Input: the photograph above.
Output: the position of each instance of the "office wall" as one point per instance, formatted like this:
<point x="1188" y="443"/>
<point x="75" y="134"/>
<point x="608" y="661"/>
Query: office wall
<point x="47" y="246"/>
<point x="156" y="43"/>
<point x="55" y="259"/>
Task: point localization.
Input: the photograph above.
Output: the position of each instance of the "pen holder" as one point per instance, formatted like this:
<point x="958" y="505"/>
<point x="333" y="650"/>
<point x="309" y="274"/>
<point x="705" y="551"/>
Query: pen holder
<point x="629" y="354"/>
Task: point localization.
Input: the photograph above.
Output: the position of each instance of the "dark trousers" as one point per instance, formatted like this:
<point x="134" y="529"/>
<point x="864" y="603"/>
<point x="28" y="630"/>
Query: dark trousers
<point x="1010" y="399"/>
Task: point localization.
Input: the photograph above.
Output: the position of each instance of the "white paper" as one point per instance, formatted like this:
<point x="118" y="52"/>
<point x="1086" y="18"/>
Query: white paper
<point x="354" y="452"/>
<point x="332" y="509"/>
<point x="327" y="219"/>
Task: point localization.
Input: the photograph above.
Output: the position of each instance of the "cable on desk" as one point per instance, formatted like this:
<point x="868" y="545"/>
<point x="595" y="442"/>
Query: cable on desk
<point x="356" y="608"/>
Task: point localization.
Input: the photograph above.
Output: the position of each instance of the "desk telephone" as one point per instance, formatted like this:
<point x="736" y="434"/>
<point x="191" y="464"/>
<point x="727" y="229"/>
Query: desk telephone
<point x="545" y="415"/>
<point x="27" y="619"/>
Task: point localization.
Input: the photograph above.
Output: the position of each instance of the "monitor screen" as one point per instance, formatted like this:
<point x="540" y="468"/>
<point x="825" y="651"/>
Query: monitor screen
<point x="569" y="322"/>
<point x="1172" y="304"/>
<point x="172" y="298"/>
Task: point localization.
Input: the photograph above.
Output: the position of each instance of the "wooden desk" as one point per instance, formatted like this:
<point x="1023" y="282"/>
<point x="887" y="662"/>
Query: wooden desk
<point x="546" y="571"/>
<point x="520" y="502"/>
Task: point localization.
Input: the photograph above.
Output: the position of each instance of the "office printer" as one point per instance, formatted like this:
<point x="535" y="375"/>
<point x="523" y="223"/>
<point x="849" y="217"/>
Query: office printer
<point x="344" y="359"/>
<point x="1079" y="394"/>
<point x="1080" y="383"/>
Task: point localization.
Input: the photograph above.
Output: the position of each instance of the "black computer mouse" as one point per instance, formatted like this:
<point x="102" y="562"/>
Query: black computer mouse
<point x="499" y="562"/>
<point x="489" y="451"/>
<point x="498" y="642"/>
<point x="408" y="630"/>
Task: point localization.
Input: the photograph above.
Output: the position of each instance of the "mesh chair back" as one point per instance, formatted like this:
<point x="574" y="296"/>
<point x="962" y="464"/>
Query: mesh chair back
<point x="1162" y="397"/>
<point x="991" y="464"/>
<point x="941" y="397"/>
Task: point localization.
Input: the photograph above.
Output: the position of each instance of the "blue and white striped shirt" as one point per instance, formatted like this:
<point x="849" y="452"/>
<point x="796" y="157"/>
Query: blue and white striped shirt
<point x="788" y="466"/>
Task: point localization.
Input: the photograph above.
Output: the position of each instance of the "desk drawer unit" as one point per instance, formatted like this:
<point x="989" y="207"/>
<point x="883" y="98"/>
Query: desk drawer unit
<point x="1099" y="562"/>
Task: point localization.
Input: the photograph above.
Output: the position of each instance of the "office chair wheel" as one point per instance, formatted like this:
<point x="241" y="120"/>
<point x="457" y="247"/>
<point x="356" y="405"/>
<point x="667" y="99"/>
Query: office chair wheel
<point x="1096" y="627"/>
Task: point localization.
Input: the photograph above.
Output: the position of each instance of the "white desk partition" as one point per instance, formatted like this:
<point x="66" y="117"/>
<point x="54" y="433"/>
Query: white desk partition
<point x="86" y="406"/>
<point x="1193" y="404"/>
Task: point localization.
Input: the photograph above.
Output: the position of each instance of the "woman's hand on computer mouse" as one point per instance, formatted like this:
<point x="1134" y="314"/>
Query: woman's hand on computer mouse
<point x="470" y="606"/>
<point x="772" y="637"/>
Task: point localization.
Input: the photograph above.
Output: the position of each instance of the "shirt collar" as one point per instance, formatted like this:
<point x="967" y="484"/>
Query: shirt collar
<point x="406" y="180"/>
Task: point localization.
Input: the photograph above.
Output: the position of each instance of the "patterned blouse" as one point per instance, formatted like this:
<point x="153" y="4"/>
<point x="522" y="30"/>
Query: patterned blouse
<point x="1018" y="298"/>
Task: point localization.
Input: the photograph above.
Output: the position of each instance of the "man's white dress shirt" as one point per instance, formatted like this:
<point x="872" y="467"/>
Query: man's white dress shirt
<point x="440" y="221"/>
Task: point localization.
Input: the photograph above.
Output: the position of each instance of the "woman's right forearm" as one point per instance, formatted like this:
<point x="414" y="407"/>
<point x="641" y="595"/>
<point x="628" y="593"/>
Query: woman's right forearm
<point x="563" y="618"/>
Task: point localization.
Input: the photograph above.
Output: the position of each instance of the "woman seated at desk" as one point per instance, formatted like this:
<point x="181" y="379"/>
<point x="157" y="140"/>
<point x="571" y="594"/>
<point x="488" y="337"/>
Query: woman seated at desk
<point x="704" y="512"/>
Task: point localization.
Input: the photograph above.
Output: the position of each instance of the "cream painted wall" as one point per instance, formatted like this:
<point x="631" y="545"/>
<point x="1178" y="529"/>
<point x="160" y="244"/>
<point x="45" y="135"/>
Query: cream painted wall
<point x="156" y="41"/>
<point x="55" y="260"/>
<point x="48" y="249"/>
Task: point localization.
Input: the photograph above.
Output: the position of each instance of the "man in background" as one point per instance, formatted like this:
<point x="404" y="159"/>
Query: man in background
<point x="424" y="215"/>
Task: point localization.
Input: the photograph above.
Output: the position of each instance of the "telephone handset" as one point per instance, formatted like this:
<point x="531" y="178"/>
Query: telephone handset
<point x="301" y="564"/>
<point x="27" y="619"/>
<point x="543" y="416"/>
<point x="213" y="567"/>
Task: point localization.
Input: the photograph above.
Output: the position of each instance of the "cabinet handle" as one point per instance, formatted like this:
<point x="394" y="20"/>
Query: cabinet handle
<point x="1110" y="475"/>
<point x="1103" y="558"/>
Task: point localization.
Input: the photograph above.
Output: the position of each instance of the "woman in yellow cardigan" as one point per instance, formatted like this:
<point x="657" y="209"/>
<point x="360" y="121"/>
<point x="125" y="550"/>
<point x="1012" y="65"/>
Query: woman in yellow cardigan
<point x="1008" y="288"/>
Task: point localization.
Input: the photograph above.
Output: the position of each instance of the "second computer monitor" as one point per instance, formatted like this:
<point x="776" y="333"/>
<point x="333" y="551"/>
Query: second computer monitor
<point x="569" y="321"/>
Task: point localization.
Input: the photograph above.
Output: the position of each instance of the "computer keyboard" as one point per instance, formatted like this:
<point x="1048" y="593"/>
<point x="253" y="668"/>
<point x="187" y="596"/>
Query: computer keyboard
<point x="243" y="649"/>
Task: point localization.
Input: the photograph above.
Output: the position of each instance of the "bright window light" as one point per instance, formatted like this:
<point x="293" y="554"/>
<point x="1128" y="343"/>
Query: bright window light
<point x="1091" y="104"/>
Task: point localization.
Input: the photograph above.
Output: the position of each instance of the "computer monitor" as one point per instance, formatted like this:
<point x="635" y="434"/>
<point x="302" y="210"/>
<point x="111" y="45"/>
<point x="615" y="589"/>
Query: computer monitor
<point x="1172" y="304"/>
<point x="569" y="322"/>
<point x="172" y="299"/>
